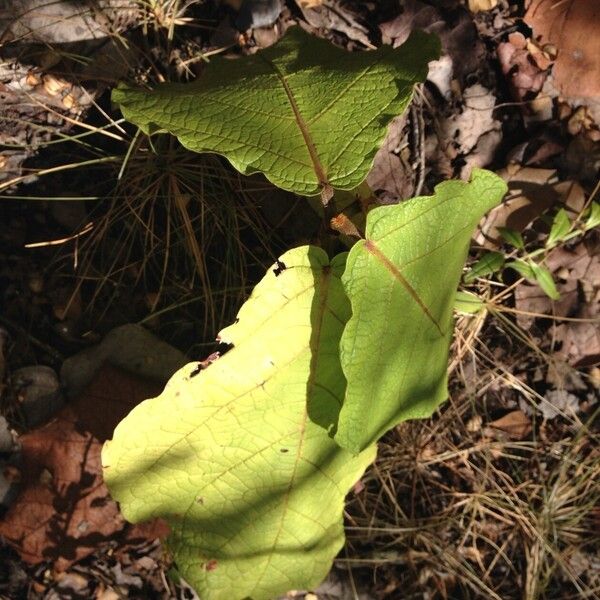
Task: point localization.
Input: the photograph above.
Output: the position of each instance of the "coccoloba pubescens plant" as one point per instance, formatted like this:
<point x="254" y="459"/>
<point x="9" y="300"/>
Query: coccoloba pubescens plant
<point x="249" y="460"/>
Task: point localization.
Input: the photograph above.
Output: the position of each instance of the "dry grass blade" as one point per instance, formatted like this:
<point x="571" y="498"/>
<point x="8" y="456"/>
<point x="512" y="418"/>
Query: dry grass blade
<point x="175" y="219"/>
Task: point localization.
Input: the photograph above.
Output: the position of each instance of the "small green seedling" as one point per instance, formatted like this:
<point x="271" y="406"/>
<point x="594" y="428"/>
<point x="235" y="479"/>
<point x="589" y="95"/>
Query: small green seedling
<point x="530" y="264"/>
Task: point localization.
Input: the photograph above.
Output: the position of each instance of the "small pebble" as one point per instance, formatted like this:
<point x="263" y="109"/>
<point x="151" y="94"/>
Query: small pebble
<point x="38" y="390"/>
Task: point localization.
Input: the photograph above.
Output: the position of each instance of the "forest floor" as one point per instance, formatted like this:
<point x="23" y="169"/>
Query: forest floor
<point x="115" y="270"/>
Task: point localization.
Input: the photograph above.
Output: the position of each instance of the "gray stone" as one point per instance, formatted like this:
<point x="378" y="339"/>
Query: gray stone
<point x="38" y="390"/>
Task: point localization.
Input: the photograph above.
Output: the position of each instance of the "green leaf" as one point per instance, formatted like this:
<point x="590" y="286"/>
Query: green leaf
<point x="513" y="237"/>
<point x="524" y="269"/>
<point x="240" y="457"/>
<point x="468" y="303"/>
<point x="534" y="272"/>
<point x="593" y="219"/>
<point x="401" y="281"/>
<point x="252" y="488"/>
<point x="560" y="228"/>
<point x="308" y="115"/>
<point x="545" y="281"/>
<point x="489" y="263"/>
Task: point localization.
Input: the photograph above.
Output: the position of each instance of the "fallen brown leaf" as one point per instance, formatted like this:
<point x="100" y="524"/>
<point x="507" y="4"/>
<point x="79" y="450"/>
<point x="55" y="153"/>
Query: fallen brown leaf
<point x="581" y="340"/>
<point x="336" y="15"/>
<point x="64" y="511"/>
<point x="391" y="175"/>
<point x="459" y="37"/>
<point x="577" y="273"/>
<point x="309" y="3"/>
<point x="473" y="132"/>
<point x="531" y="192"/>
<point x="523" y="72"/>
<point x="572" y="26"/>
<point x="516" y="424"/>
<point x="482" y="5"/>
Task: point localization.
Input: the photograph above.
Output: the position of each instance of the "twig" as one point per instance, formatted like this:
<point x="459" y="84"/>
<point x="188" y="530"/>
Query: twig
<point x="418" y="141"/>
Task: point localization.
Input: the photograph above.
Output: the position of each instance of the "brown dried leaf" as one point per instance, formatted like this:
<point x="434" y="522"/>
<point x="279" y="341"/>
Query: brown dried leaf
<point x="474" y="132"/>
<point x="309" y="3"/>
<point x="572" y="26"/>
<point x="531" y="192"/>
<point x="64" y="511"/>
<point x="482" y="5"/>
<point x="336" y="15"/>
<point x="391" y="175"/>
<point x="524" y="74"/>
<point x="414" y="15"/>
<point x="459" y="37"/>
<point x="516" y="424"/>
<point x="577" y="271"/>
<point x="111" y="395"/>
<point x="581" y="340"/>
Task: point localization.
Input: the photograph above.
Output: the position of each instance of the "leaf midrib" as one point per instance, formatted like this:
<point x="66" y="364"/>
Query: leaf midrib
<point x="374" y="250"/>
<point x="303" y="126"/>
<point x="323" y="289"/>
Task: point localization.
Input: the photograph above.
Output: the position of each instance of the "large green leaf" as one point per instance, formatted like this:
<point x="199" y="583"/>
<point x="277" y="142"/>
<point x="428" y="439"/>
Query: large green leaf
<point x="252" y="488"/>
<point x="239" y="457"/>
<point x="401" y="281"/>
<point x="308" y="115"/>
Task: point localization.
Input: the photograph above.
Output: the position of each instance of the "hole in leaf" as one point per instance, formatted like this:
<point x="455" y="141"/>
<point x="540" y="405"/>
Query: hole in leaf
<point x="280" y="268"/>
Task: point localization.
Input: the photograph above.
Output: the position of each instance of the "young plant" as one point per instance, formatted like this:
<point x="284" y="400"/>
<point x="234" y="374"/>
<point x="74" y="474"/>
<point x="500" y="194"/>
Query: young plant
<point x="249" y="458"/>
<point x="530" y="264"/>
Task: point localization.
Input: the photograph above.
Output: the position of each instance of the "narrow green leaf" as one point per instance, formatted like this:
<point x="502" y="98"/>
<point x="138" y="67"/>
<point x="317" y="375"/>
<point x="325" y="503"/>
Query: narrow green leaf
<point x="593" y="219"/>
<point x="560" y="228"/>
<point x="308" y="115"/>
<point x="252" y="488"/>
<point x="468" y="303"/>
<point x="534" y="272"/>
<point x="489" y="263"/>
<point x="524" y="269"/>
<point x="401" y="281"/>
<point x="545" y="281"/>
<point x="514" y="238"/>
